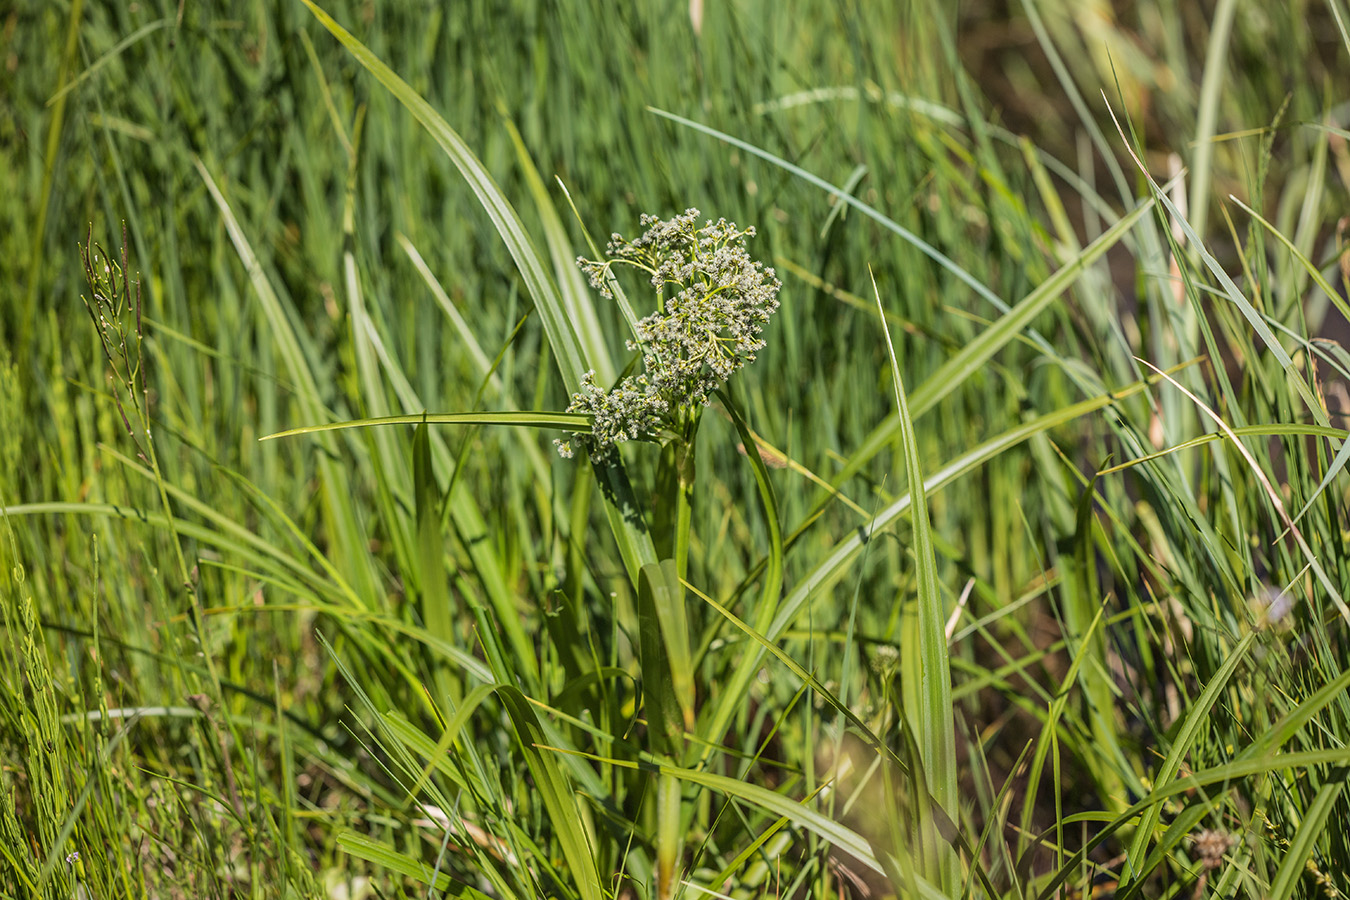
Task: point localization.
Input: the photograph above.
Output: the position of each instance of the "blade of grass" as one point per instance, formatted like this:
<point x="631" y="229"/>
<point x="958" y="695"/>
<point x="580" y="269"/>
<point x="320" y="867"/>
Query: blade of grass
<point x="1197" y="719"/>
<point x="1207" y="111"/>
<point x="929" y="673"/>
<point x="832" y="567"/>
<point x="1231" y="290"/>
<point x="337" y="494"/>
<point x="1270" y="492"/>
<point x="561" y="421"/>
<point x="974" y="356"/>
<point x="1312" y="828"/>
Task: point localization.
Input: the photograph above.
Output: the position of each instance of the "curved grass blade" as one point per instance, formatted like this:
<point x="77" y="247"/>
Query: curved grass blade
<point x="1230" y="289"/>
<point x="555" y="793"/>
<point x="667" y="667"/>
<point x="115" y="51"/>
<point x="1280" y="429"/>
<point x="551" y="310"/>
<point x="1211" y="86"/>
<point x="885" y="751"/>
<point x="1225" y="774"/>
<point x="803" y="817"/>
<point x="1269" y="490"/>
<point x="668" y="698"/>
<point x="572" y="287"/>
<point x="1257" y="758"/>
<point x="1196" y="720"/>
<point x="1313" y="272"/>
<point x="432" y="576"/>
<point x="890" y="224"/>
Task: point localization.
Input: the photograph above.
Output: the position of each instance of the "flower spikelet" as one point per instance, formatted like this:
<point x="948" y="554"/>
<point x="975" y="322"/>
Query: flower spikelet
<point x="713" y="302"/>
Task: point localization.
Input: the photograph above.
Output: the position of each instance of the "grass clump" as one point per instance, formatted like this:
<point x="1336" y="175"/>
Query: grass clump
<point x="1013" y="568"/>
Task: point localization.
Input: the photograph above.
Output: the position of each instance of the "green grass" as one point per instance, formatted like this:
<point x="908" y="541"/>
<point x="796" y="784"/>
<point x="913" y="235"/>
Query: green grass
<point x="1015" y="564"/>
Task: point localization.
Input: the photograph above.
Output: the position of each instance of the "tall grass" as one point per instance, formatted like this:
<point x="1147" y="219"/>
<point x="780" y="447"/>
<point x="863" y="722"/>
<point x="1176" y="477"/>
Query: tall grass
<point x="1014" y="566"/>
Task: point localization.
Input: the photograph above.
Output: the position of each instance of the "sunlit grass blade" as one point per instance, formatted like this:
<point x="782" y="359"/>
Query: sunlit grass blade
<point x="942" y="823"/>
<point x="927" y="674"/>
<point x="800" y="815"/>
<point x="833" y="190"/>
<point x="1230" y="289"/>
<point x="1273" y="430"/>
<point x="499" y="209"/>
<point x="555" y="793"/>
<point x="572" y="287"/>
<point x="1323" y="578"/>
<point x="466" y="335"/>
<point x="667" y="668"/>
<point x="1304" y="263"/>
<point x="432" y="577"/>
<point x="1227" y="774"/>
<point x="1207" y="111"/>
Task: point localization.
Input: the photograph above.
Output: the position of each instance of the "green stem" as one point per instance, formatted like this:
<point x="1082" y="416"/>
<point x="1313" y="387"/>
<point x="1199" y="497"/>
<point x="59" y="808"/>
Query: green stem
<point x="674" y="507"/>
<point x="669" y="838"/>
<point x="684" y="495"/>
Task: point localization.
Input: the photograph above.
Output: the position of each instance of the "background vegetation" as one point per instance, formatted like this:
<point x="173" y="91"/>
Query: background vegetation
<point x="1096" y="653"/>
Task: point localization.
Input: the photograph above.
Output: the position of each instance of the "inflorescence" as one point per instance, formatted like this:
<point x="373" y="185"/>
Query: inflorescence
<point x="696" y="338"/>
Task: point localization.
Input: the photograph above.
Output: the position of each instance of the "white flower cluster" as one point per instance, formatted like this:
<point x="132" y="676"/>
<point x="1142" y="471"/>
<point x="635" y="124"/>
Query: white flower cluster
<point x="695" y="340"/>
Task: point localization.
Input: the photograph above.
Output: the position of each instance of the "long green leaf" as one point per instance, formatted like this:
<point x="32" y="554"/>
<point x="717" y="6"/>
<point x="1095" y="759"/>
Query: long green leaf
<point x="928" y="674"/>
<point x="512" y="230"/>
<point x="432" y="577"/>
<point x="1230" y="289"/>
<point x="802" y="816"/>
<point x="572" y="287"/>
<point x="561" y="421"/>
<point x="667" y="667"/>
<point x="554" y="791"/>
